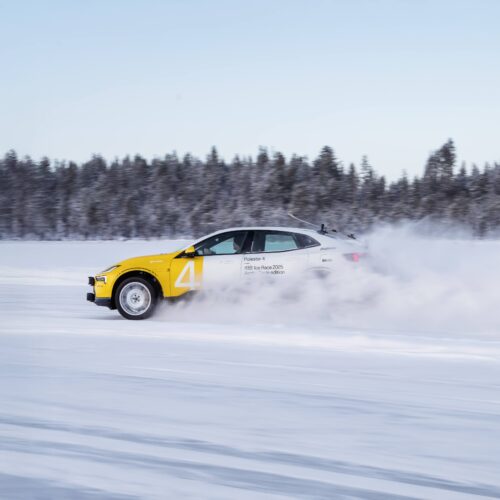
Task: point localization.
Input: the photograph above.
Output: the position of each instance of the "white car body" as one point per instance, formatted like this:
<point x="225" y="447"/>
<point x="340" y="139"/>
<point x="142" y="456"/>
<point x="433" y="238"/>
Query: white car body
<point x="276" y="258"/>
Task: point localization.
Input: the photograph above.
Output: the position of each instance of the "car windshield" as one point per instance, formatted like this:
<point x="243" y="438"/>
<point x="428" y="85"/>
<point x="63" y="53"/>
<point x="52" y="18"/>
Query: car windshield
<point x="177" y="246"/>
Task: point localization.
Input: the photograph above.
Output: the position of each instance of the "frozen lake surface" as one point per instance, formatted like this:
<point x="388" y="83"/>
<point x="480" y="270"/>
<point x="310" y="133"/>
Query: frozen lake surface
<point x="386" y="399"/>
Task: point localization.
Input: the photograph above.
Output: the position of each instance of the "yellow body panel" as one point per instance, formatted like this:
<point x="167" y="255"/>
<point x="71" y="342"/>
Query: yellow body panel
<point x="185" y="275"/>
<point x="176" y="276"/>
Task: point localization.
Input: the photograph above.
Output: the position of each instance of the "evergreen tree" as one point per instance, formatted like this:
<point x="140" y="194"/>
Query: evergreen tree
<point x="172" y="197"/>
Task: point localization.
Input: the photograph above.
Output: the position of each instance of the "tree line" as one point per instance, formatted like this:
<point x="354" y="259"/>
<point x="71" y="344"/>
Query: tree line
<point x="172" y="196"/>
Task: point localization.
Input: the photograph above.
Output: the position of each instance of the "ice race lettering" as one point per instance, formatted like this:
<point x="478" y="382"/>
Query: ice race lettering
<point x="258" y="265"/>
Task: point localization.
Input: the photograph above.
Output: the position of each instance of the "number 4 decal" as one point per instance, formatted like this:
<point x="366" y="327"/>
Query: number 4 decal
<point x="187" y="277"/>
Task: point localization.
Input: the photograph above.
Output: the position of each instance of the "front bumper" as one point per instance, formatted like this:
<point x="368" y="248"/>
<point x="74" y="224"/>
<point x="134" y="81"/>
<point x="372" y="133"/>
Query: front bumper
<point x="98" y="301"/>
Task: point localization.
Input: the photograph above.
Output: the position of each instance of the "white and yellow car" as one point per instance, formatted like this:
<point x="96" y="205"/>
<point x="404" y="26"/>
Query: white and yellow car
<point x="134" y="286"/>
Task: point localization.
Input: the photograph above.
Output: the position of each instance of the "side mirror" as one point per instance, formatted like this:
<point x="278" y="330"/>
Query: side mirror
<point x="189" y="253"/>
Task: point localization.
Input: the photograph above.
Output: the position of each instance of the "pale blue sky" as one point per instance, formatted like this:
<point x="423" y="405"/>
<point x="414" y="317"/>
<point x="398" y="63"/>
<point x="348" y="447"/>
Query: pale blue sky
<point x="389" y="79"/>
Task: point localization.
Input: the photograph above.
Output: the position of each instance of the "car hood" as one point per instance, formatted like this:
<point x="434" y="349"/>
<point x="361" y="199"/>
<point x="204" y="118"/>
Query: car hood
<point x="147" y="261"/>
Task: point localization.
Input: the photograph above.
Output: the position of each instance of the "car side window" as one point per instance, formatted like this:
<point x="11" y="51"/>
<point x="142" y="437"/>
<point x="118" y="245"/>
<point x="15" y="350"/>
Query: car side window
<point x="273" y="241"/>
<point x="305" y="241"/>
<point x="230" y="243"/>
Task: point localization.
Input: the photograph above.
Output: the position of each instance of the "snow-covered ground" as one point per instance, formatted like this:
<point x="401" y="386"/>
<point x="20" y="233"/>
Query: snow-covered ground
<point x="383" y="385"/>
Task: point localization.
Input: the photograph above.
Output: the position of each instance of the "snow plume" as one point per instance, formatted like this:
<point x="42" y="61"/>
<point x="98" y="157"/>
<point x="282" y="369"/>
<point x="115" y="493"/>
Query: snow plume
<point x="408" y="284"/>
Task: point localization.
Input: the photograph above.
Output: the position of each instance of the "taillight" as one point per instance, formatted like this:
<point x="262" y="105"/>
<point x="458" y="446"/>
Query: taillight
<point x="354" y="257"/>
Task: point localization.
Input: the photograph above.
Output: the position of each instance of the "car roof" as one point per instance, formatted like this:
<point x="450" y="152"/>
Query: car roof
<point x="323" y="239"/>
<point x="266" y="228"/>
<point x="310" y="232"/>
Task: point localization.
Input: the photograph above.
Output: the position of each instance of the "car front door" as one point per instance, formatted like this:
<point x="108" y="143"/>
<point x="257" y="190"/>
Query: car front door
<point x="216" y="263"/>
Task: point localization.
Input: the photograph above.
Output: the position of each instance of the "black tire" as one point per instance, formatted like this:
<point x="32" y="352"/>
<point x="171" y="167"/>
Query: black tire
<point x="136" y="298"/>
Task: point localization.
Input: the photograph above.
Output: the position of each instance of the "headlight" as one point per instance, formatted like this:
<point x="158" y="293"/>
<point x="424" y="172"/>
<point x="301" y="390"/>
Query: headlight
<point x="109" y="269"/>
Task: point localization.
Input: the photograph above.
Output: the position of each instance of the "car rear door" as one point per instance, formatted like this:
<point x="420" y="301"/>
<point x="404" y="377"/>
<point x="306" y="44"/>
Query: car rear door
<point x="275" y="254"/>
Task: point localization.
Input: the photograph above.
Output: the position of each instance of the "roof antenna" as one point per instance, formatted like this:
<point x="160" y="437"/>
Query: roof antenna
<point x="303" y="221"/>
<point x="323" y="228"/>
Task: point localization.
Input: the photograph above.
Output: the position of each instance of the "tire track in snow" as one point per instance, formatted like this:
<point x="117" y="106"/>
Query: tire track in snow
<point x="205" y="447"/>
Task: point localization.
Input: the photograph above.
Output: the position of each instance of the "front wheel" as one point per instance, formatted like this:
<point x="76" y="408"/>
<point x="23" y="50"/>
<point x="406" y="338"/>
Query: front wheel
<point x="136" y="298"/>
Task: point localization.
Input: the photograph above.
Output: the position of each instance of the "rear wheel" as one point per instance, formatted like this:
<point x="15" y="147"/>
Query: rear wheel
<point x="321" y="273"/>
<point x="136" y="298"/>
